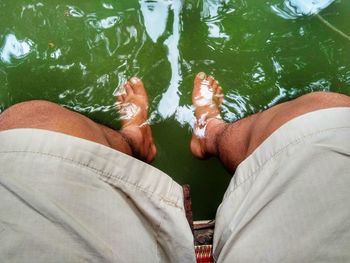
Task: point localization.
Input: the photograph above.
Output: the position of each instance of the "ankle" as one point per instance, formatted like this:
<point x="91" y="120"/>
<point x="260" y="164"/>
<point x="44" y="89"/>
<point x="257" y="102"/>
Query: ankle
<point x="214" y="131"/>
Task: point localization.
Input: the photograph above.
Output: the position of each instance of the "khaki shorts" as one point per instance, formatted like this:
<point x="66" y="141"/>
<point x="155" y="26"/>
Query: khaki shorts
<point x="64" y="199"/>
<point x="290" y="200"/>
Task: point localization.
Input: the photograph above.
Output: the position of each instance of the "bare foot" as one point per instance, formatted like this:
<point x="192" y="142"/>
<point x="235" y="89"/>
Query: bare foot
<point x="206" y="98"/>
<point x="133" y="109"/>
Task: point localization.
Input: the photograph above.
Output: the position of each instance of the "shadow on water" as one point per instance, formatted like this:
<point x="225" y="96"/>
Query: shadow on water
<point x="262" y="52"/>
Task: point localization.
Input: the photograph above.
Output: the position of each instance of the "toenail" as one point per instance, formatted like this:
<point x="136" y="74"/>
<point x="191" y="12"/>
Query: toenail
<point x="201" y="75"/>
<point x="134" y="80"/>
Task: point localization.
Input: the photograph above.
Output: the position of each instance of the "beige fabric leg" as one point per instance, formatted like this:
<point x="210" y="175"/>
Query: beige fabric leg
<point x="289" y="200"/>
<point x="65" y="199"/>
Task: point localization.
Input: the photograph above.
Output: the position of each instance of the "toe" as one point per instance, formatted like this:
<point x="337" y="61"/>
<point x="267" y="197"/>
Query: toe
<point x="123" y="97"/>
<point x="215" y="87"/>
<point x="216" y="83"/>
<point x="219" y="95"/>
<point x="218" y="91"/>
<point x="211" y="81"/>
<point x="197" y="85"/>
<point x="138" y="86"/>
<point x="129" y="90"/>
<point x="120" y="98"/>
<point x="199" y="78"/>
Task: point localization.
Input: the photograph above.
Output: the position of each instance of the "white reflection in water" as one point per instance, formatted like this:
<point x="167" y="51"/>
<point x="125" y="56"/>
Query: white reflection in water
<point x="155" y="15"/>
<point x="210" y="14"/>
<point x="276" y="65"/>
<point x="56" y="54"/>
<point x="15" y="49"/>
<point x="103" y="80"/>
<point x="74" y="11"/>
<point x="132" y="32"/>
<point x="282" y="93"/>
<point x="63" y="68"/>
<point x="32" y="7"/>
<point x="170" y="100"/>
<point x="235" y="106"/>
<point x="65" y="94"/>
<point x="343" y="74"/>
<point x="83" y="69"/>
<point x="122" y="79"/>
<point x="108" y="22"/>
<point x="90" y="109"/>
<point x="86" y="92"/>
<point x="108" y="6"/>
<point x="292" y="9"/>
<point x="319" y="85"/>
<point x="258" y="74"/>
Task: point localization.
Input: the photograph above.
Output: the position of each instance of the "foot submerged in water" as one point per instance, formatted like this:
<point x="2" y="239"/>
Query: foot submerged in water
<point x="207" y="97"/>
<point x="133" y="109"/>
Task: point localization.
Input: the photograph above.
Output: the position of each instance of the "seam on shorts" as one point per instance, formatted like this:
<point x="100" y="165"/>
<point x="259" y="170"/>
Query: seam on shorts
<point x="106" y="177"/>
<point x="294" y="142"/>
<point x="157" y="231"/>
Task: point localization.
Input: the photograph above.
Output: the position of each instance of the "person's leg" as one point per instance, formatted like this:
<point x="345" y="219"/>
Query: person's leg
<point x="234" y="142"/>
<point x="66" y="191"/>
<point x="135" y="137"/>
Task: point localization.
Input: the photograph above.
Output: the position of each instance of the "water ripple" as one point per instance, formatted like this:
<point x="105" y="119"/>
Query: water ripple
<point x="292" y="9"/>
<point x="95" y="47"/>
<point x="212" y="14"/>
<point x="74" y="11"/>
<point x="235" y="106"/>
<point x="14" y="51"/>
<point x="108" y="22"/>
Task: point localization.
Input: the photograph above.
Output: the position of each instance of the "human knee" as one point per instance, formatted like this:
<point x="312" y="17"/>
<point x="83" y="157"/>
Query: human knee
<point x="33" y="107"/>
<point x="30" y="114"/>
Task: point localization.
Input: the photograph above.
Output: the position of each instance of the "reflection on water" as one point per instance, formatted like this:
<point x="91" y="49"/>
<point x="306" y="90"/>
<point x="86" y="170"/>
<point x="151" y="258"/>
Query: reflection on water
<point x="107" y="22"/>
<point x="155" y="15"/>
<point x="235" y="106"/>
<point x="31" y="7"/>
<point x="122" y="34"/>
<point x="108" y="43"/>
<point x="14" y="50"/>
<point x="211" y="16"/>
<point x="74" y="11"/>
<point x="292" y="9"/>
<point x="170" y="99"/>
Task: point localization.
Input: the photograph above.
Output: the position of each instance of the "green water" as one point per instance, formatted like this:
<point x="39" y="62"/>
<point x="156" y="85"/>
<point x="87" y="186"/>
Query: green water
<point x="76" y="53"/>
